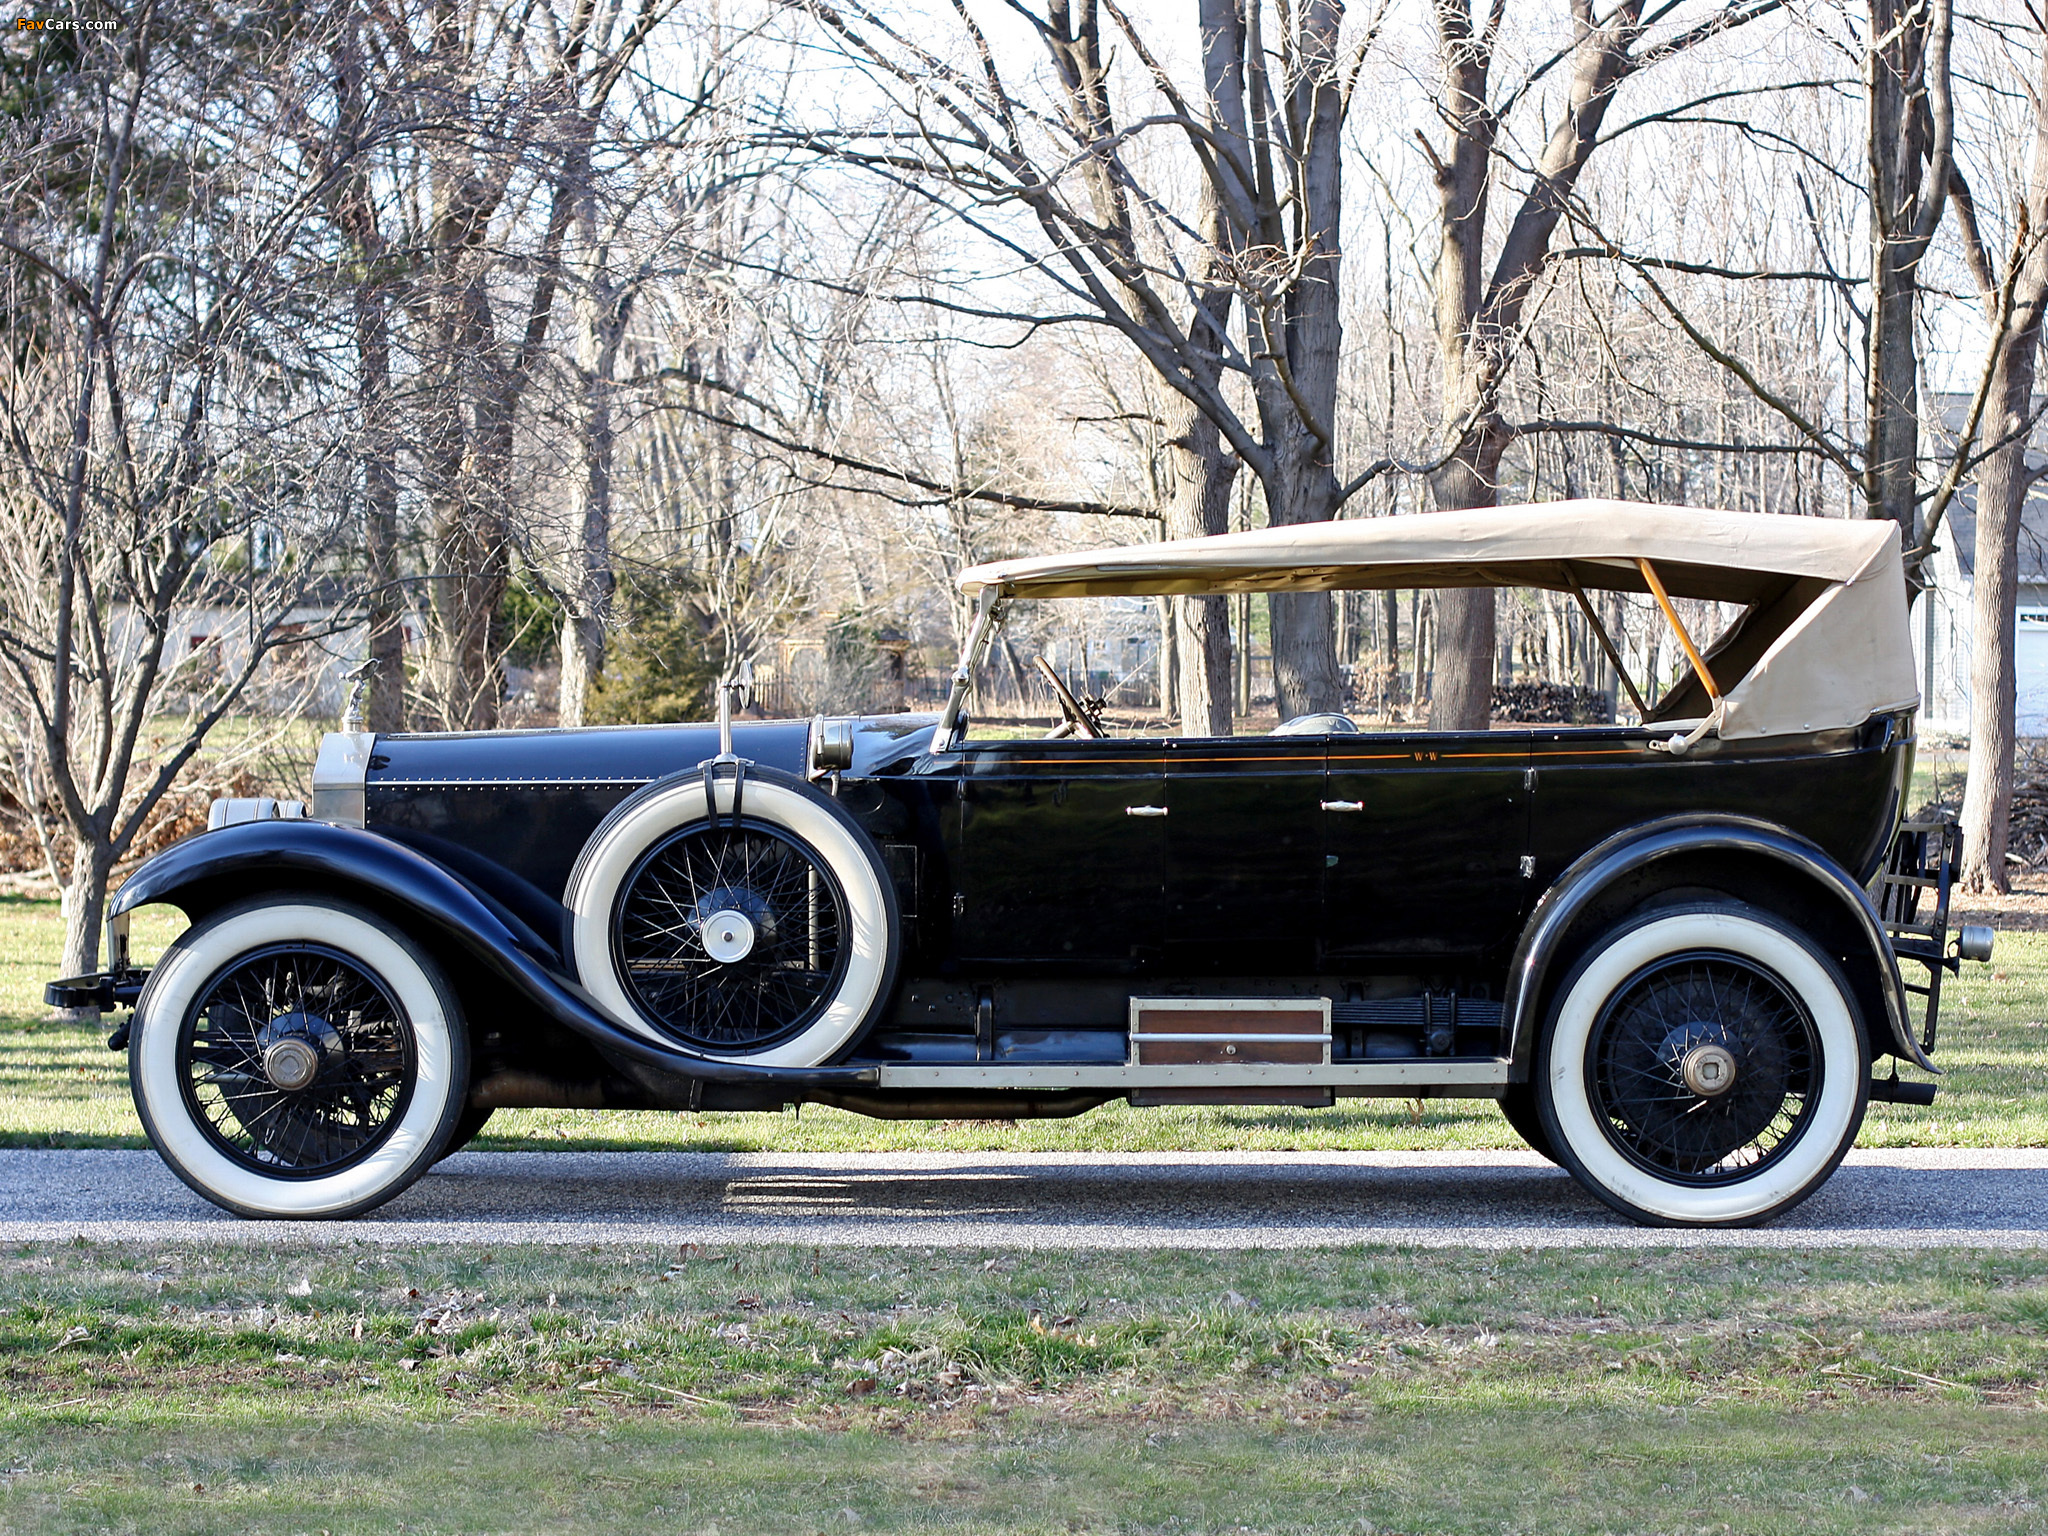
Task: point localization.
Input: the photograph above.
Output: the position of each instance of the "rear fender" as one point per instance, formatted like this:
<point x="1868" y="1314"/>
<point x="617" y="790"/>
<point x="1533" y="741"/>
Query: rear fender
<point x="210" y="870"/>
<point x="1571" y="906"/>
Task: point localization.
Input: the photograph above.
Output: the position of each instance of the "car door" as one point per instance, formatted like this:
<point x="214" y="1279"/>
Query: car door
<point x="1424" y="836"/>
<point x="1244" y="854"/>
<point x="1062" y="852"/>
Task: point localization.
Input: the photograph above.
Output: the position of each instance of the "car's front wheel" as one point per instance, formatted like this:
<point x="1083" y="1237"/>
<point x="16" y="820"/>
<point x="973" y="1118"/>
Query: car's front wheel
<point x="297" y="1057"/>
<point x="1518" y="1106"/>
<point x="1703" y="1066"/>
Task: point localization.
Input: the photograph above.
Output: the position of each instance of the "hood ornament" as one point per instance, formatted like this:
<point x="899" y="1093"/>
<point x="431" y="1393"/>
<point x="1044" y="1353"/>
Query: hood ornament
<point x="359" y="686"/>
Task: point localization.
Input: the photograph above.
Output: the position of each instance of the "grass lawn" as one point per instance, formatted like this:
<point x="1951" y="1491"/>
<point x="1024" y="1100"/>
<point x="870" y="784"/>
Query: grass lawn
<point x="61" y="1087"/>
<point x="159" y="1389"/>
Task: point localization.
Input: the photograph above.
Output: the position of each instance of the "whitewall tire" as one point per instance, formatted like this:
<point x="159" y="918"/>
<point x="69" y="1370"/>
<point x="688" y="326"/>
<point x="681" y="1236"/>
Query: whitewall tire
<point x="1702" y="1066"/>
<point x="297" y="1057"/>
<point x="771" y="942"/>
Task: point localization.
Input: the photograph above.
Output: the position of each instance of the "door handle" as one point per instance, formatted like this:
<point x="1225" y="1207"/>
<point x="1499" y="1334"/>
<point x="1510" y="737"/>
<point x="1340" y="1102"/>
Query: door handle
<point x="1343" y="805"/>
<point x="1144" y="810"/>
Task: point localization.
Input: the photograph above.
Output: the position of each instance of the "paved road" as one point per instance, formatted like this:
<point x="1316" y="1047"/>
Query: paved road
<point x="1918" y="1198"/>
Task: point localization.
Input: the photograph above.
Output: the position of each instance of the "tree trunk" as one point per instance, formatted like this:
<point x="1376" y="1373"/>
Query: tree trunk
<point x="469" y="558"/>
<point x="583" y="645"/>
<point x="2002" y="487"/>
<point x="1908" y="88"/>
<point x="601" y="312"/>
<point x="380" y="512"/>
<point x="474" y="570"/>
<point x="1462" y="698"/>
<point x="1169" y="662"/>
<point x="1987" y="798"/>
<point x="1199" y="474"/>
<point x="1306" y="679"/>
<point x="1892" y="406"/>
<point x="354" y="203"/>
<point x="1390" y="653"/>
<point x="1299" y="410"/>
<point x="1479" y="316"/>
<point x="84" y="907"/>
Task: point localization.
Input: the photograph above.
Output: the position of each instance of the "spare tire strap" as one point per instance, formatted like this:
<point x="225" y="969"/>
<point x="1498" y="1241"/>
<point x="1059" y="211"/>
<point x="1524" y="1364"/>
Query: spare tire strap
<point x="739" y="781"/>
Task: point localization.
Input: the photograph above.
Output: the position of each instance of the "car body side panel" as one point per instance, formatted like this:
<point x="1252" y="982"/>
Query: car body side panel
<point x="1429" y="866"/>
<point x="1052" y="866"/>
<point x="1244" y="853"/>
<point x="1838" y="790"/>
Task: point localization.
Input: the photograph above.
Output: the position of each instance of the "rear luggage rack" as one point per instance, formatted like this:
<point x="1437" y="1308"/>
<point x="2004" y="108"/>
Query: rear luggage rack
<point x="1923" y="860"/>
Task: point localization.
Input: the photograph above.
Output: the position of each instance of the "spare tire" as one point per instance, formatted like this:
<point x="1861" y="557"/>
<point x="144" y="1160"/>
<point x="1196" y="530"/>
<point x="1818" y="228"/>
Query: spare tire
<point x="765" y="932"/>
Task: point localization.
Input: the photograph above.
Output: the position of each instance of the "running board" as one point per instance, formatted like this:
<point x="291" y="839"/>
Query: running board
<point x="1359" y="1078"/>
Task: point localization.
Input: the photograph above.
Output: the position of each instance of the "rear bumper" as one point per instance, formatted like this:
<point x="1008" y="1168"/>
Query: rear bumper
<point x="1912" y="896"/>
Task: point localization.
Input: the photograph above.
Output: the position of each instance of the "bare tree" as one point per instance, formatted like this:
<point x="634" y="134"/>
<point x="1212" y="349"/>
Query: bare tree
<point x="168" y="437"/>
<point x="1480" y="303"/>
<point x="1057" y="178"/>
<point x="512" y="95"/>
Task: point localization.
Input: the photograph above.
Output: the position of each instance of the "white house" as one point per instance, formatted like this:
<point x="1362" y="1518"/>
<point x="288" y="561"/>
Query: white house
<point x="1942" y="623"/>
<point x="207" y="639"/>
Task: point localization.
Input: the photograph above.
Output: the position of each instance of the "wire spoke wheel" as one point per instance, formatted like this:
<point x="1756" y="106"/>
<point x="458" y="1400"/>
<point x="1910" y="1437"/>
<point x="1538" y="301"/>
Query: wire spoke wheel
<point x="295" y="1061"/>
<point x="1703" y="1068"/>
<point x="731" y="939"/>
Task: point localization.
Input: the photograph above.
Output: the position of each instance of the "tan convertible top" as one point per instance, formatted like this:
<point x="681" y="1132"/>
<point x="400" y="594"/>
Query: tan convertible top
<point x="1824" y="641"/>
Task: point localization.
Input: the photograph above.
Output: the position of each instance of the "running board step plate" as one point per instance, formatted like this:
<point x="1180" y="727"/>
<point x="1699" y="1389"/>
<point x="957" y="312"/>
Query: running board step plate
<point x="1228" y="1031"/>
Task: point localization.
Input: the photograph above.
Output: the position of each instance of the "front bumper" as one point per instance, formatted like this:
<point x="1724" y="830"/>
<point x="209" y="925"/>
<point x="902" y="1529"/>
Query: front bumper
<point x="106" y="991"/>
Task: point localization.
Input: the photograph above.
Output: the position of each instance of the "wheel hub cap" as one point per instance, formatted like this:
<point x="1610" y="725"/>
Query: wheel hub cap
<point x="1708" y="1070"/>
<point x="291" y="1064"/>
<point x="294" y="1049"/>
<point x="728" y="936"/>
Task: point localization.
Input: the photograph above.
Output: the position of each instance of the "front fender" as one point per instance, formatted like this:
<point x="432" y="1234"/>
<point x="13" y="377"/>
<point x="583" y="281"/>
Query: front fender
<point x="211" y="869"/>
<point x="1626" y="853"/>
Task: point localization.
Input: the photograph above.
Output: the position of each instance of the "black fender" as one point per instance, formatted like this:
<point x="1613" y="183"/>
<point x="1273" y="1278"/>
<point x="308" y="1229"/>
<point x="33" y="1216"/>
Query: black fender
<point x="1575" y="892"/>
<point x="210" y="869"/>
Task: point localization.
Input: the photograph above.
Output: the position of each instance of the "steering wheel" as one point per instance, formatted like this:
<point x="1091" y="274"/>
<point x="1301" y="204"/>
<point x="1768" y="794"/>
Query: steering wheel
<point x="1078" y="721"/>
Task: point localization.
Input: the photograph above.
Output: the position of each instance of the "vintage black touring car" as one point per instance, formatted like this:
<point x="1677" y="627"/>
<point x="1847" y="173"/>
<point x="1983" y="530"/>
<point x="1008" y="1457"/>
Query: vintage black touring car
<point x="1670" y="949"/>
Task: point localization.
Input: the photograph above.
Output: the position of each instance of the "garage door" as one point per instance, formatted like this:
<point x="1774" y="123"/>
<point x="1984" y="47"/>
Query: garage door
<point x="2030" y="656"/>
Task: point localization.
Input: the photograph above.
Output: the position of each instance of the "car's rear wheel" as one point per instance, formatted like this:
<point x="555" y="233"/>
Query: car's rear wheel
<point x="1703" y="1066"/>
<point x="467" y="1129"/>
<point x="764" y="932"/>
<point x="297" y="1057"/>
